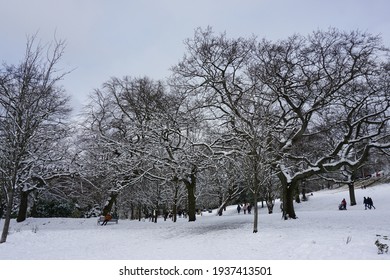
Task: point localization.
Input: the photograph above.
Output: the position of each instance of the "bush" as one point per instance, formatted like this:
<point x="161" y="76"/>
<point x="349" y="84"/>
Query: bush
<point x="93" y="211"/>
<point x="54" y="209"/>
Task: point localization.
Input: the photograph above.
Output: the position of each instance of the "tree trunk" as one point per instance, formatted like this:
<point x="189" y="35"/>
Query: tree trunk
<point x="191" y="203"/>
<point x="174" y="208"/>
<point x="7" y="219"/>
<point x="270" y="201"/>
<point x="155" y="215"/>
<point x="220" y="198"/>
<point x="10" y="203"/>
<point x="351" y="187"/>
<point x="297" y="198"/>
<point x="255" y="213"/>
<point x="191" y="186"/>
<point x="34" y="210"/>
<point x="23" y="206"/>
<point x="108" y="207"/>
<point x="232" y="194"/>
<point x="139" y="212"/>
<point x="304" y="198"/>
<point x="1" y="209"/>
<point x="288" y="201"/>
<point x="270" y="207"/>
<point x="296" y="193"/>
<point x="1" y="206"/>
<point x="132" y="212"/>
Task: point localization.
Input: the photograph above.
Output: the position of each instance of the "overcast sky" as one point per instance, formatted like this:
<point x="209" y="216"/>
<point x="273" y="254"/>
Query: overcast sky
<point x="107" y="38"/>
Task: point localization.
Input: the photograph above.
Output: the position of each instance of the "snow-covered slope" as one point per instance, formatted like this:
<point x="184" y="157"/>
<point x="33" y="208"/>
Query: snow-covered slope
<point x="321" y="232"/>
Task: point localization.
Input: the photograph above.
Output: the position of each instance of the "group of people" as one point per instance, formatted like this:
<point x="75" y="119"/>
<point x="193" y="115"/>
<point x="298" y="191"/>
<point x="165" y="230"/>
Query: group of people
<point x="245" y="207"/>
<point x="180" y="213"/>
<point x="368" y="203"/>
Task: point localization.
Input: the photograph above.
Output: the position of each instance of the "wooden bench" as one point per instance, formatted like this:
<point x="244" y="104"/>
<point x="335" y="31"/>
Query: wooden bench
<point x="101" y="220"/>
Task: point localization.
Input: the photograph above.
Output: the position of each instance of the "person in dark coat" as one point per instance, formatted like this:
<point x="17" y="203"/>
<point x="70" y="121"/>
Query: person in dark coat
<point x="365" y="203"/>
<point x="249" y="208"/>
<point x="343" y="205"/>
<point x="370" y="203"/>
<point x="238" y="208"/>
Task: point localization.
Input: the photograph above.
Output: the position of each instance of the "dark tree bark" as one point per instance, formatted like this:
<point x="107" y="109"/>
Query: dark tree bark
<point x="24" y="195"/>
<point x="110" y="203"/>
<point x="351" y="188"/>
<point x="139" y="212"/>
<point x="255" y="213"/>
<point x="23" y="206"/>
<point x="132" y="210"/>
<point x="288" y="202"/>
<point x="174" y="208"/>
<point x="304" y="198"/>
<point x="270" y="203"/>
<point x="191" y="187"/>
<point x="297" y="197"/>
<point x="7" y="218"/>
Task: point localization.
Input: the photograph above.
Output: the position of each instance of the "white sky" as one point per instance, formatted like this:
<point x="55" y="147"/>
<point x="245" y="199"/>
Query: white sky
<point x="145" y="37"/>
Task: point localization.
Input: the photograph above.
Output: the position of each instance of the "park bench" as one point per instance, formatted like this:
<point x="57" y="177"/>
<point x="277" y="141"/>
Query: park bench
<point x="101" y="220"/>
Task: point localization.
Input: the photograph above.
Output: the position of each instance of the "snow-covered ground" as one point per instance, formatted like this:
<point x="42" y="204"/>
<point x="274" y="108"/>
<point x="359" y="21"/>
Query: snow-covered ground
<point x="321" y="232"/>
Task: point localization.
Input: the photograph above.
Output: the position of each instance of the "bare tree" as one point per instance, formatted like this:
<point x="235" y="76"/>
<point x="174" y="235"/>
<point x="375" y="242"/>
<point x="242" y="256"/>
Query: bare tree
<point x="228" y="177"/>
<point x="279" y="97"/>
<point x="331" y="85"/>
<point x="147" y="134"/>
<point x="216" y="73"/>
<point x="32" y="106"/>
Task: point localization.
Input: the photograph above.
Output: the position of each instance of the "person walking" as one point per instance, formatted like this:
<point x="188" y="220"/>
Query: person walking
<point x="245" y="207"/>
<point x="238" y="208"/>
<point x="370" y="203"/>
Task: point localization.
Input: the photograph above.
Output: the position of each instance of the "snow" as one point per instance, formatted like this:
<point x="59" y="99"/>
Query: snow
<point x="321" y="232"/>
<point x="322" y="241"/>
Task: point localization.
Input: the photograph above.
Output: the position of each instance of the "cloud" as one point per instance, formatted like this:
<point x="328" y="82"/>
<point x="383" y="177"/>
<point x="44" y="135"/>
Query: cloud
<point x="137" y="38"/>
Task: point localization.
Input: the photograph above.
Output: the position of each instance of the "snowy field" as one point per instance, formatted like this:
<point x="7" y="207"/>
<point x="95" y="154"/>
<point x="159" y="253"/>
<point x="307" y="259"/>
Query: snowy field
<point x="321" y="232"/>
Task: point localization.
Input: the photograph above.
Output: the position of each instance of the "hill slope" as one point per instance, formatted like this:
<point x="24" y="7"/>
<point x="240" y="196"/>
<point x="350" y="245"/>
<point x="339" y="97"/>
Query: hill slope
<point x="321" y="232"/>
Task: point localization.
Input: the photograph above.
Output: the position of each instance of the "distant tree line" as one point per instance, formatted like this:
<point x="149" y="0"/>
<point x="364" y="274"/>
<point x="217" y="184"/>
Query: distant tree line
<point x="240" y="120"/>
